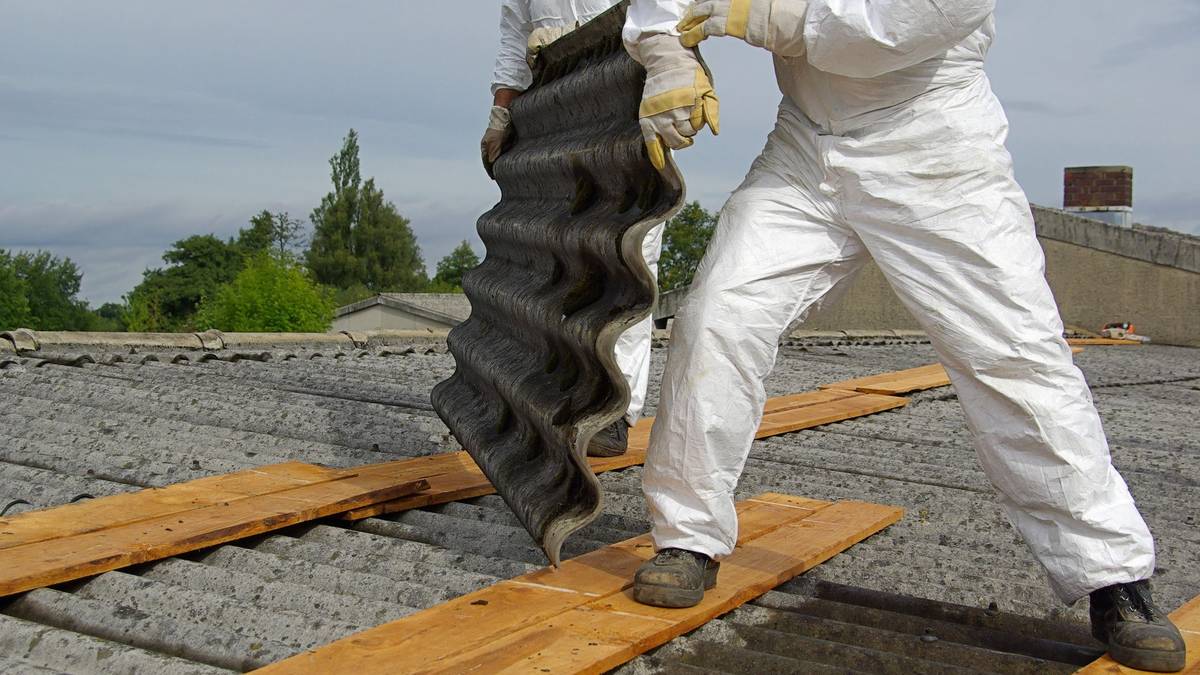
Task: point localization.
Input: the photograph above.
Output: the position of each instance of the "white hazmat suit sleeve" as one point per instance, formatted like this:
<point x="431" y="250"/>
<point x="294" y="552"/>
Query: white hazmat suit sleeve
<point x="650" y="17"/>
<point x="512" y="69"/>
<point x="861" y="38"/>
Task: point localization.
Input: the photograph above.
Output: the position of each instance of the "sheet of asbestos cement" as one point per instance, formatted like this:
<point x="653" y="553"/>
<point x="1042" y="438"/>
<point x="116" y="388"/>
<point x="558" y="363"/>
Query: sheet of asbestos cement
<point x="563" y="277"/>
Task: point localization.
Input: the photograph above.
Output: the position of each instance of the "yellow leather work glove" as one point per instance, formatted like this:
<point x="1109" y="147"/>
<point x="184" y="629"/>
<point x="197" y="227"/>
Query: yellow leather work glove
<point x="678" y="99"/>
<point x="774" y="25"/>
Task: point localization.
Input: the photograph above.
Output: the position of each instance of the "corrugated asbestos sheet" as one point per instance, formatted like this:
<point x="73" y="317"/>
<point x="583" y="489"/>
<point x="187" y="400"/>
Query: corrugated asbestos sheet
<point x="562" y="279"/>
<point x="949" y="589"/>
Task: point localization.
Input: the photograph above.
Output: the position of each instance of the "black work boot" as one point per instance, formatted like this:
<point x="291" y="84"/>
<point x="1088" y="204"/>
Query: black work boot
<point x="675" y="578"/>
<point x="1138" y="634"/>
<point x="610" y="441"/>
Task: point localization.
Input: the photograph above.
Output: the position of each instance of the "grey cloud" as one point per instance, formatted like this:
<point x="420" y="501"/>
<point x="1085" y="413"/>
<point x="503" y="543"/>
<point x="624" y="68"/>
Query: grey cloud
<point x="1176" y="32"/>
<point x="176" y="137"/>
<point x="1043" y="108"/>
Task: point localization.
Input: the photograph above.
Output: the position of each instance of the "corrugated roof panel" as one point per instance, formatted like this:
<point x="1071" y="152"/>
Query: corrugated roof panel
<point x="246" y="603"/>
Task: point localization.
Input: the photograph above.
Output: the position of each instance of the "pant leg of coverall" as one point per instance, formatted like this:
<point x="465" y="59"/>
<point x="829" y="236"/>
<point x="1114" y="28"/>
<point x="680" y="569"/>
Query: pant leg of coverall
<point x="774" y="254"/>
<point x="633" y="346"/>
<point x="970" y="269"/>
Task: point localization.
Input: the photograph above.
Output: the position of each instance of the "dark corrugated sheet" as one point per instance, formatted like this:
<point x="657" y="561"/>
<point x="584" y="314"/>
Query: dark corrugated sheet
<point x="562" y="279"/>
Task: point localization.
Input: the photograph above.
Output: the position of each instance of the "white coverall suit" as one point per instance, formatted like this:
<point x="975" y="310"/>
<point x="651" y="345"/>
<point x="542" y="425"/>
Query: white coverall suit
<point x="890" y="144"/>
<point x="518" y="20"/>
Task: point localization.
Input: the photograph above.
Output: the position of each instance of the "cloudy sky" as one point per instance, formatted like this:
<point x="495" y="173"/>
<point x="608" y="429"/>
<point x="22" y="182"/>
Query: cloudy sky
<point x="129" y="124"/>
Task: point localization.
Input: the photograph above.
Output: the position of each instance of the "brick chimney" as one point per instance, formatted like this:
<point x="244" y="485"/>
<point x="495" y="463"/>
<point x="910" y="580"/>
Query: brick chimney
<point x="1099" y="192"/>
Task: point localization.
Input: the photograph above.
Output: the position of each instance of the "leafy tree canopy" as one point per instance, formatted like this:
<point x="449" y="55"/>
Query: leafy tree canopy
<point x="14" y="295"/>
<point x="271" y="294"/>
<point x="684" y="242"/>
<point x="358" y="236"/>
<point x="38" y="290"/>
<point x="450" y="269"/>
<point x="349" y="296"/>
<point x="110" y="317"/>
<point x="167" y="298"/>
<point x="277" y="232"/>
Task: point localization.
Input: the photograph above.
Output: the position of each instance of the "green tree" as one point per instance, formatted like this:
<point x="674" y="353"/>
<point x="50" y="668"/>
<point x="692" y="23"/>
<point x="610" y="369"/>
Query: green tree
<point x="684" y="241"/>
<point x="450" y="269"/>
<point x="110" y="317"/>
<point x="287" y="234"/>
<point x="51" y="286"/>
<point x="272" y="294"/>
<point x="14" y="295"/>
<point x="349" y="296"/>
<point x="277" y="232"/>
<point x="167" y="298"/>
<point x="358" y="236"/>
<point x="259" y="237"/>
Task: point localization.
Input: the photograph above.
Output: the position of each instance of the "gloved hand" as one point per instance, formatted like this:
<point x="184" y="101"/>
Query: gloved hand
<point x="678" y="98"/>
<point x="539" y="38"/>
<point x="498" y="130"/>
<point x="774" y="25"/>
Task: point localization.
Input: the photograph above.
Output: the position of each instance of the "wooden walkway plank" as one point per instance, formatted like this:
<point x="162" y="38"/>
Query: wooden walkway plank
<point x="897" y="382"/>
<point x="52" y="561"/>
<point x="1104" y="342"/>
<point x="1187" y="619"/>
<point x="807" y="399"/>
<point x="121" y="509"/>
<point x="498" y="610"/>
<point x="581" y="618"/>
<point x="461" y="479"/>
<point x="836" y="410"/>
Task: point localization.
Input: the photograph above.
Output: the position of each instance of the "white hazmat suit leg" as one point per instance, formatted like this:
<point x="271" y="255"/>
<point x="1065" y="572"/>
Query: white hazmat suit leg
<point x="926" y="189"/>
<point x="633" y="346"/>
<point x="777" y="249"/>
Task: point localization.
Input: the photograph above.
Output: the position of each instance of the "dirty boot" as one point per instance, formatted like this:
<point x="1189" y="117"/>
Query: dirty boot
<point x="610" y="441"/>
<point x="674" y="578"/>
<point x="1138" y="634"/>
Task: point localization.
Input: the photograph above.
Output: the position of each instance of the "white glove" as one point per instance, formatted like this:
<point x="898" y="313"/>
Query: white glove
<point x="678" y="99"/>
<point x="498" y="130"/>
<point x="774" y="25"/>
<point x="539" y="38"/>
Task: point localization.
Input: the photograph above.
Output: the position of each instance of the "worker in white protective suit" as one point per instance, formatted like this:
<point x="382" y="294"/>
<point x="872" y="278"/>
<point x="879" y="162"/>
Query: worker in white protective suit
<point x="890" y="144"/>
<point x="525" y="27"/>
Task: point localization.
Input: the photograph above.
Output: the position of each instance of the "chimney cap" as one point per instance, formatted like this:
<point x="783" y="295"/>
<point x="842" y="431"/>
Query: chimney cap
<point x="1116" y="168"/>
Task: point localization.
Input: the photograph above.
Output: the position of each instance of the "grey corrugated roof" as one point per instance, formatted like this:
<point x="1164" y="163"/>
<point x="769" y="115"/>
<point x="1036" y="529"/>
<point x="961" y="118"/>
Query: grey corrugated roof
<point x="111" y="426"/>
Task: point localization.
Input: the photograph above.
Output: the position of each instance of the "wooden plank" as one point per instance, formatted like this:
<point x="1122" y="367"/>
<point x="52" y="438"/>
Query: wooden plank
<point x="1187" y="619"/>
<point x="495" y="611"/>
<point x="1103" y="342"/>
<point x="462" y="479"/>
<point x="897" y="382"/>
<point x="806" y="399"/>
<point x="581" y="617"/>
<point x="53" y="561"/>
<point x="832" y="411"/>
<point x="105" y="512"/>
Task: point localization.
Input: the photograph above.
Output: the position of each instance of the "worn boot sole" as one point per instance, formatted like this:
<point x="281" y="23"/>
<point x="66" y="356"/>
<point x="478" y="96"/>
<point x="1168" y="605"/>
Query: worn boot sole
<point x="1154" y="660"/>
<point x="673" y="597"/>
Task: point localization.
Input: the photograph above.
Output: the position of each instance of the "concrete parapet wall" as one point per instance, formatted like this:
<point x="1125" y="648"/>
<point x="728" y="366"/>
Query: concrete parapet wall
<point x="1147" y="244"/>
<point x="1094" y="288"/>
